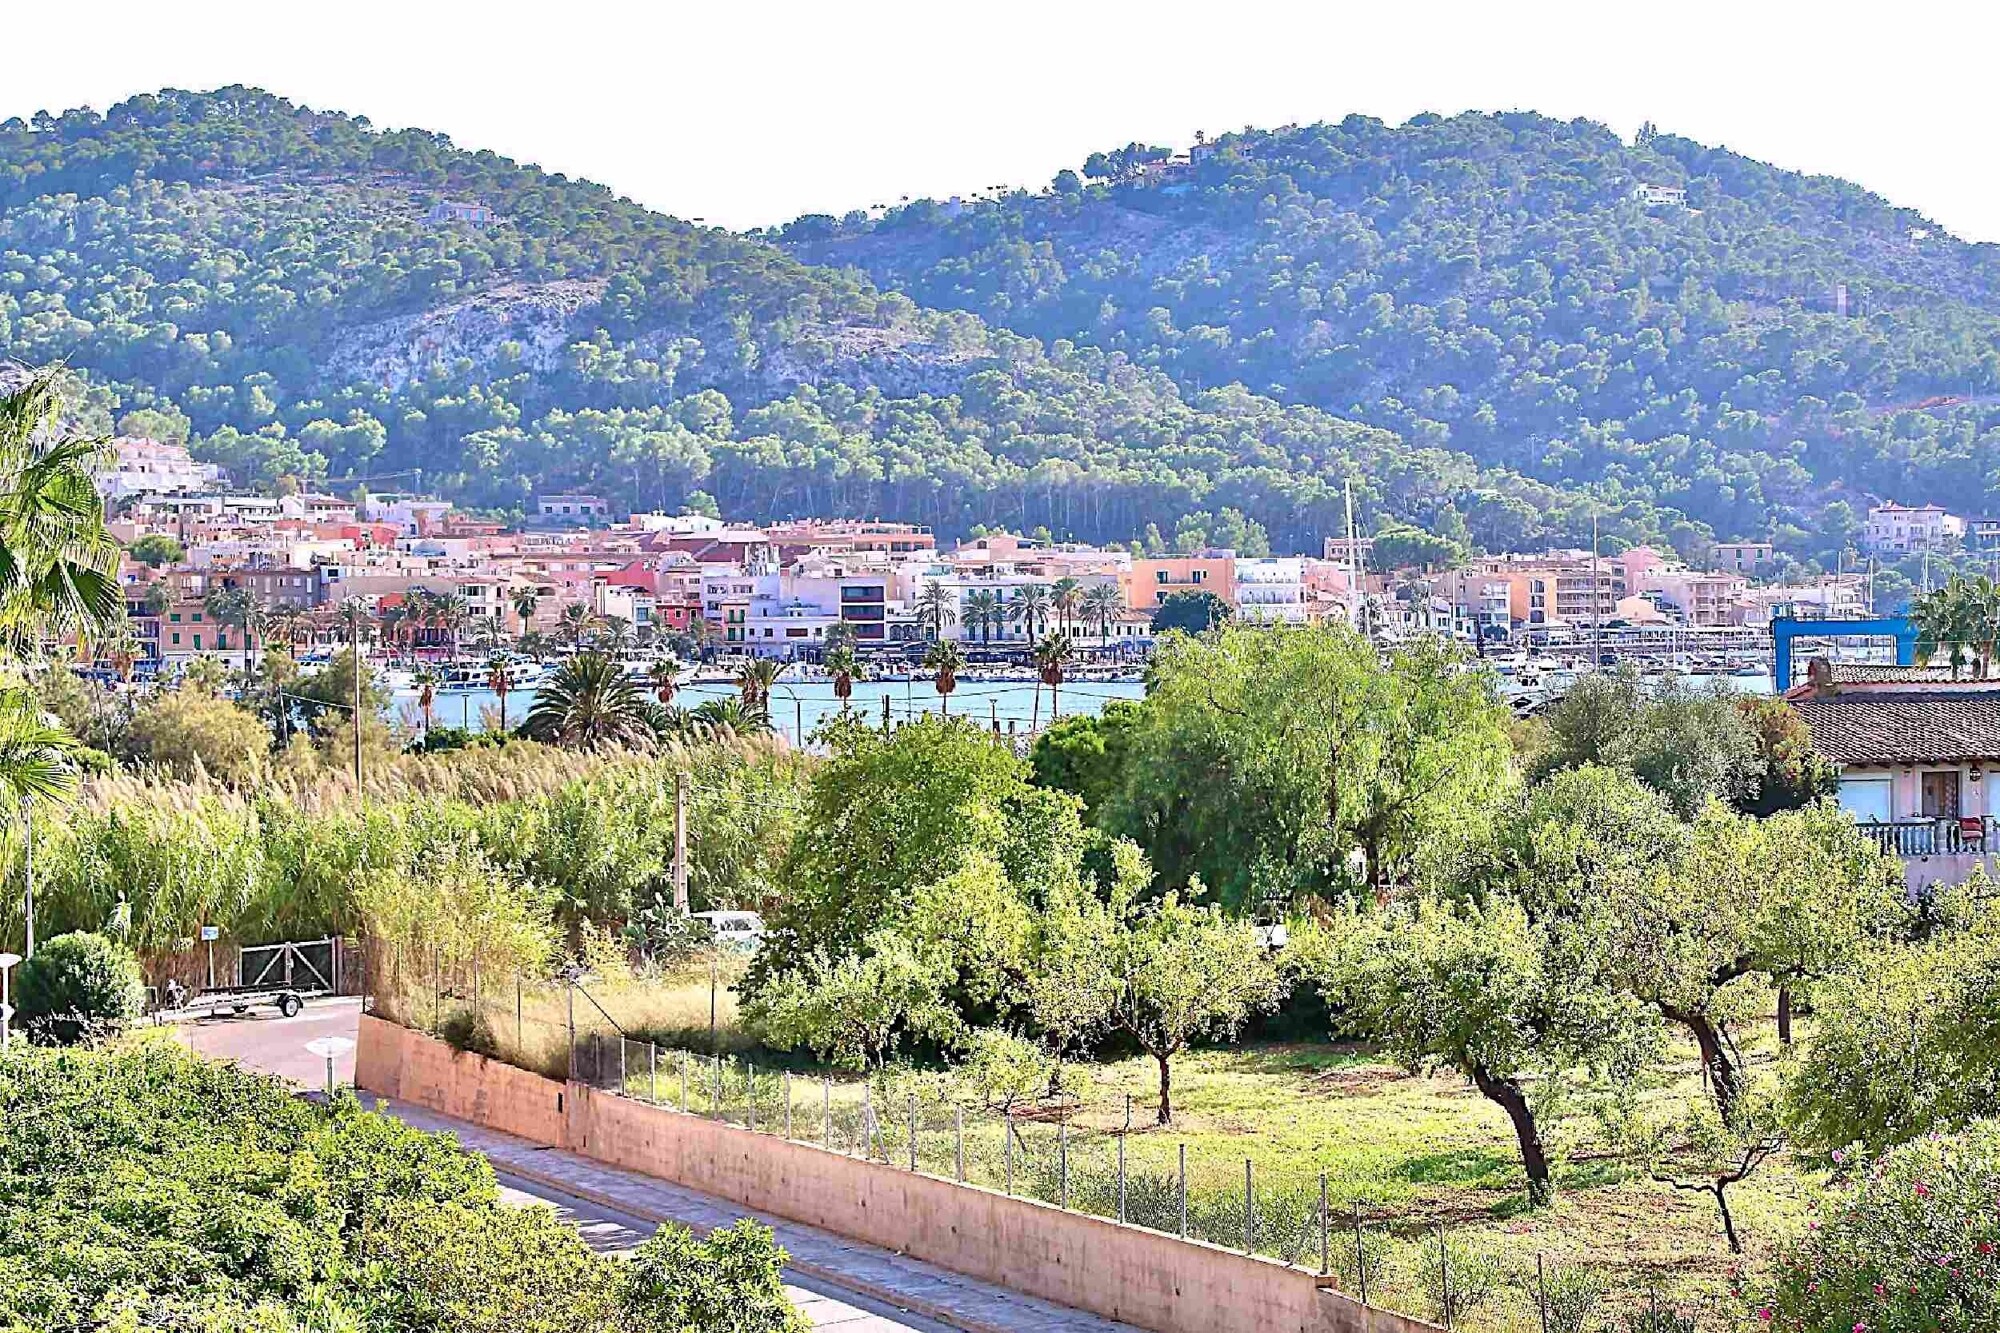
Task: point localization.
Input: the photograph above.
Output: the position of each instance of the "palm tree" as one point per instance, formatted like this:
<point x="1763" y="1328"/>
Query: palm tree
<point x="231" y="606"/>
<point x="1052" y="654"/>
<point x="665" y="676"/>
<point x="1960" y="618"/>
<point x="282" y="623"/>
<point x="839" y="634"/>
<point x="1065" y="596"/>
<point x="1101" y="602"/>
<point x="575" y="624"/>
<point x="588" y="701"/>
<point x="449" y="612"/>
<point x="1031" y="607"/>
<point x="427" y="680"/>
<point x="615" y="637"/>
<point x="535" y="644"/>
<point x="754" y="680"/>
<point x="525" y="600"/>
<point x="944" y="659"/>
<point x="57" y="563"/>
<point x="983" y="612"/>
<point x="121" y="648"/>
<point x="728" y="717"/>
<point x="500" y="680"/>
<point x="843" y="666"/>
<point x="936" y="608"/>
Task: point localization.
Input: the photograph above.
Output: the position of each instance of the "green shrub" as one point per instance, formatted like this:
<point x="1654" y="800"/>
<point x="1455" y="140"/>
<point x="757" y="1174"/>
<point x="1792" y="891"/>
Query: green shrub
<point x="1907" y="1244"/>
<point x="1456" y="1279"/>
<point x="730" y="1283"/>
<point x="79" y="987"/>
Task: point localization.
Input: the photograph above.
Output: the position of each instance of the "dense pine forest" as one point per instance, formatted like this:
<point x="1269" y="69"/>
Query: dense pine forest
<point x="1475" y="321"/>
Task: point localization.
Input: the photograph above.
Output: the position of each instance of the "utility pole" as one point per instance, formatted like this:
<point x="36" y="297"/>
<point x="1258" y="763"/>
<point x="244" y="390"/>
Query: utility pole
<point x="1596" y="608"/>
<point x="1354" y="557"/>
<point x="681" y="842"/>
<point x="354" y="646"/>
<point x="28" y="833"/>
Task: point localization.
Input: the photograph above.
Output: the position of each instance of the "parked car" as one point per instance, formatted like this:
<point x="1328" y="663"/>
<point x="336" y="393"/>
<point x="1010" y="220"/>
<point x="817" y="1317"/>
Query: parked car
<point x="735" y="930"/>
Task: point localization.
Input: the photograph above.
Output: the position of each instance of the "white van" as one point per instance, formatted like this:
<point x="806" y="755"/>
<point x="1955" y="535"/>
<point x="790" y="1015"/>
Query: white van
<point x="735" y="930"/>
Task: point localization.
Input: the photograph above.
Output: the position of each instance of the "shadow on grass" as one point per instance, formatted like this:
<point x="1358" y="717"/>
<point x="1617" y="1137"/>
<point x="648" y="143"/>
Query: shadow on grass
<point x="1459" y="1166"/>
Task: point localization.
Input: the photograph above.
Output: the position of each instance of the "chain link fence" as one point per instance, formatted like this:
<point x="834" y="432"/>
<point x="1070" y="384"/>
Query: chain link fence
<point x="1134" y="1172"/>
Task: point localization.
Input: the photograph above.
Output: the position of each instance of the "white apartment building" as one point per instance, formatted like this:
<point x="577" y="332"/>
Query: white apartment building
<point x="153" y="467"/>
<point x="1899" y="529"/>
<point x="1272" y="590"/>
<point x="410" y="515"/>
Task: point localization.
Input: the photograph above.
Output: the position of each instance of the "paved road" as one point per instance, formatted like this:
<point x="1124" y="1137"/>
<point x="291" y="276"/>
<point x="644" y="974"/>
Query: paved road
<point x="850" y="1288"/>
<point x="264" y="1041"/>
<point x="612" y="1231"/>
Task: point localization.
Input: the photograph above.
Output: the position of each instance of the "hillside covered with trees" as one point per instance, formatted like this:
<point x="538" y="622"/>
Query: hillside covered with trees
<point x="1473" y="321"/>
<point x="1504" y="287"/>
<point x="279" y="286"/>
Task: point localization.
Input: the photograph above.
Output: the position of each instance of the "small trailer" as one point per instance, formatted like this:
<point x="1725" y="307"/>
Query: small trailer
<point x="279" y="976"/>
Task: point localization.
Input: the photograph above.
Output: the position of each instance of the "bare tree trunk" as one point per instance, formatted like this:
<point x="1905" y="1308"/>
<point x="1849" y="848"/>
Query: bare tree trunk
<point x="1785" y="1015"/>
<point x="1166" y="1115"/>
<point x="1728" y="1222"/>
<point x="1509" y="1097"/>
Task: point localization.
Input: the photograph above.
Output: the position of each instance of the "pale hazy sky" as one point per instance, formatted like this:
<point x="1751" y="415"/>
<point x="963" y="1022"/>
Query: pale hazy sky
<point x="744" y="114"/>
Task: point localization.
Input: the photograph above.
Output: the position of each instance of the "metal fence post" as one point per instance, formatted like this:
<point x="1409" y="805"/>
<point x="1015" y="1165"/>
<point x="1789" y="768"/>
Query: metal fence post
<point x="913" y="1131"/>
<point x="958" y="1127"/>
<point x="519" y="1040"/>
<point x="653" y="1072"/>
<point x="621" y="1065"/>
<point x="1121" y="1157"/>
<point x="1249" y="1211"/>
<point x="1062" y="1157"/>
<point x="572" y="1029"/>
<point x="867" y="1134"/>
<point x="826" y="1112"/>
<point x="715" y="1091"/>
<point x="788" y="1106"/>
<point x="1541" y="1293"/>
<point x="1360" y="1255"/>
<point x="750" y="1093"/>
<point x="1444" y="1275"/>
<point x="1183" y="1191"/>
<point x="1008" y="1144"/>
<point x="684" y="1082"/>
<point x="1324" y="1266"/>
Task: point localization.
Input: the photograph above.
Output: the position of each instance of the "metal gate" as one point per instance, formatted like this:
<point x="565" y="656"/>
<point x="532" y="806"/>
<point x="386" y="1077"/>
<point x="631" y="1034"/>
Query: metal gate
<point x="310" y="967"/>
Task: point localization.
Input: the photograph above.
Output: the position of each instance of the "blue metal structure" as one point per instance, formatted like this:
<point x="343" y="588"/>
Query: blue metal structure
<point x="1786" y="628"/>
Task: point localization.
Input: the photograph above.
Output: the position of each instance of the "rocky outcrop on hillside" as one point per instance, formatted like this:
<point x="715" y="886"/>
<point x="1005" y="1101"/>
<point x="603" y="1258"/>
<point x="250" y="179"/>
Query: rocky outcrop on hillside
<point x="540" y="318"/>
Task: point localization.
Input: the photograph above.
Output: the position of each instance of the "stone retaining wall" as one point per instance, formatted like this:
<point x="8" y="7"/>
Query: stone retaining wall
<point x="1123" y="1272"/>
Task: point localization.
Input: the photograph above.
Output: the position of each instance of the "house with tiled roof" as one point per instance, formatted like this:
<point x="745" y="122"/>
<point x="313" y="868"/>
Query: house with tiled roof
<point x="1918" y="749"/>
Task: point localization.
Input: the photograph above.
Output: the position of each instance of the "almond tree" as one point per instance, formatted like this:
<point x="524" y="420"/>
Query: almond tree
<point x="1519" y="1008"/>
<point x="1184" y="972"/>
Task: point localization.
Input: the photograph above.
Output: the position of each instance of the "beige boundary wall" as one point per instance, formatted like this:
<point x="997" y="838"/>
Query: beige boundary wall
<point x="1127" y="1273"/>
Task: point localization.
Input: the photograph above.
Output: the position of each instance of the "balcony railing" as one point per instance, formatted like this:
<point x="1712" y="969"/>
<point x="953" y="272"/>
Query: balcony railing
<point x="1970" y="835"/>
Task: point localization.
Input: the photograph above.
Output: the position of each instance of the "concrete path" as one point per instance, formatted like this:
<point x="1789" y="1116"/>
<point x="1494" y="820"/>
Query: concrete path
<point x="842" y="1285"/>
<point x="885" y="1278"/>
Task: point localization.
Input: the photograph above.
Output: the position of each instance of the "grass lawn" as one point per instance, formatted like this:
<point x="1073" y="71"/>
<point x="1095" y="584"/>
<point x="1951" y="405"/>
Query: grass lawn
<point x="1411" y="1152"/>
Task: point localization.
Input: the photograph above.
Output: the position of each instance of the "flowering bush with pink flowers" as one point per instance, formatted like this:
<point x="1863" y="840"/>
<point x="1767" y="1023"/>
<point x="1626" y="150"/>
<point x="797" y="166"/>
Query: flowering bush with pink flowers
<point x="1905" y="1244"/>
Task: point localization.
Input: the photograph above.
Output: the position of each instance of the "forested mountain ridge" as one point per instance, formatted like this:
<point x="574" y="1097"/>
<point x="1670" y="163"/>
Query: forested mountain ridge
<point x="1497" y="285"/>
<point x="265" y="280"/>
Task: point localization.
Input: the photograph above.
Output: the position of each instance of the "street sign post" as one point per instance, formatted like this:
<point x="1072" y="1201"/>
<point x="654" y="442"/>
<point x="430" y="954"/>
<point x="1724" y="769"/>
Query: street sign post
<point x="8" y="961"/>
<point x="209" y="935"/>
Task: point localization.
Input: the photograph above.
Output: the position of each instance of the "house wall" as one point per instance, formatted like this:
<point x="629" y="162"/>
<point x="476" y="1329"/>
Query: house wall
<point x="1122" y="1272"/>
<point x="1907" y="789"/>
